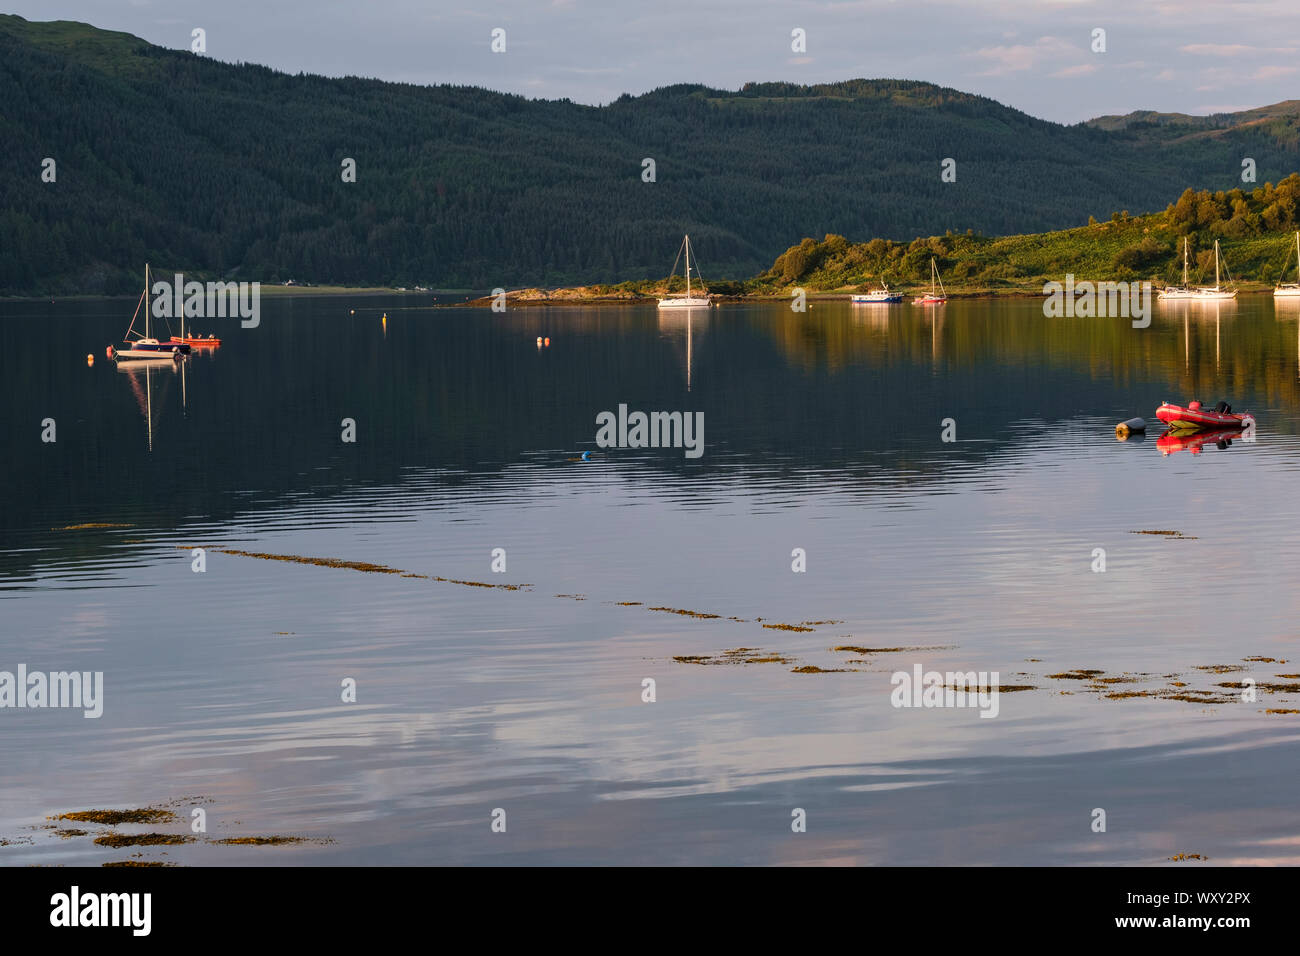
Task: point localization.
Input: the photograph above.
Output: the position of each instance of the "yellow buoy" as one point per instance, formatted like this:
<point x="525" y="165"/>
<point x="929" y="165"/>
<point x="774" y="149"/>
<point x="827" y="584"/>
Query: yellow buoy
<point x="1130" y="427"/>
<point x="90" y="358"/>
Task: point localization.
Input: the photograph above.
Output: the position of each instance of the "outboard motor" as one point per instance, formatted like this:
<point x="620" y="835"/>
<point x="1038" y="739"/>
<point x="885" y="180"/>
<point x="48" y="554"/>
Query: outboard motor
<point x="1221" y="407"/>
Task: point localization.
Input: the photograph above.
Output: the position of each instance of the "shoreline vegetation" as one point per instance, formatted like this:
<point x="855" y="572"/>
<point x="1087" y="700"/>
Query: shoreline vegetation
<point x="1255" y="230"/>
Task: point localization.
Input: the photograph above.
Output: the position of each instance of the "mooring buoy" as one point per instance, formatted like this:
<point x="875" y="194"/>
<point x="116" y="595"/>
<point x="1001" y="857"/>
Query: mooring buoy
<point x="1124" y="429"/>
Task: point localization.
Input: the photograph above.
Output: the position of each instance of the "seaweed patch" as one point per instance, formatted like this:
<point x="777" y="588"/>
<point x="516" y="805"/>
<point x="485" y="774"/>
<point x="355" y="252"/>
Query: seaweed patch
<point x="138" y="863"/>
<point x="268" y="841"/>
<point x="854" y="649"/>
<point x="142" y="839"/>
<point x="148" y="815"/>
<point x="737" y="655"/>
<point x="703" y="615"/>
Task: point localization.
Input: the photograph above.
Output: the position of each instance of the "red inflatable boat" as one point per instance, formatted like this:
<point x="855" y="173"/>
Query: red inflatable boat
<point x="1195" y="418"/>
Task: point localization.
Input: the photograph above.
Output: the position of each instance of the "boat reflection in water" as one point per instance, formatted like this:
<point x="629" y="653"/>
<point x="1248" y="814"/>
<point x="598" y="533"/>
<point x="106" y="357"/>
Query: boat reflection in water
<point x="141" y="374"/>
<point x="1172" y="442"/>
<point x="680" y="327"/>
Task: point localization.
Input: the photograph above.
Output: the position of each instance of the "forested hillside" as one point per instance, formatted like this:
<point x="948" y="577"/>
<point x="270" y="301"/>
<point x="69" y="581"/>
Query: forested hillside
<point x="234" y="171"/>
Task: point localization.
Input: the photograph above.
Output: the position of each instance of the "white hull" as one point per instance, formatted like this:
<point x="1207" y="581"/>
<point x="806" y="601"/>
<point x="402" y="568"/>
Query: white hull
<point x="150" y="356"/>
<point x="1194" y="295"/>
<point x="1289" y="291"/>
<point x="682" y="302"/>
<point x="140" y="361"/>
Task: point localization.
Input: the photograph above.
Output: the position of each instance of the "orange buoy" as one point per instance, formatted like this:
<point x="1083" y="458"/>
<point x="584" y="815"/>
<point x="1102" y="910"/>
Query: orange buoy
<point x="547" y="341"/>
<point x="90" y="358"/>
<point x="109" y="351"/>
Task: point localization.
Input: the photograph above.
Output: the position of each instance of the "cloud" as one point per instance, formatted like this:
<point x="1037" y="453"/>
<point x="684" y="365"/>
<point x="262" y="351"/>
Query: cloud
<point x="1272" y="72"/>
<point x="1018" y="57"/>
<point x="1217" y="49"/>
<point x="1082" y="69"/>
<point x="1231" y="49"/>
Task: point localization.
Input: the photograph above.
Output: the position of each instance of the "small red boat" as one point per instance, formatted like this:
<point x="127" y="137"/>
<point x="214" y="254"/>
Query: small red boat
<point x="211" y="342"/>
<point x="1196" y="418"/>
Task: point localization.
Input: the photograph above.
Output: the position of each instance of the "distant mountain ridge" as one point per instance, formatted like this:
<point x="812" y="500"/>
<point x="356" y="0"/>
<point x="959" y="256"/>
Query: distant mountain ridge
<point x="233" y="171"/>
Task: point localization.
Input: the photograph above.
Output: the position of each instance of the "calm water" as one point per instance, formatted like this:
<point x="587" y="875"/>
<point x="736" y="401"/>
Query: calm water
<point x="223" y="688"/>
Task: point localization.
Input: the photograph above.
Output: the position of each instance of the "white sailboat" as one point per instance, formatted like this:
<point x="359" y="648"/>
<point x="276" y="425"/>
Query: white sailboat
<point x="1290" y="290"/>
<point x="1201" y="293"/>
<point x="145" y="346"/>
<point x="685" y="301"/>
<point x="1215" y="292"/>
<point x="934" y="298"/>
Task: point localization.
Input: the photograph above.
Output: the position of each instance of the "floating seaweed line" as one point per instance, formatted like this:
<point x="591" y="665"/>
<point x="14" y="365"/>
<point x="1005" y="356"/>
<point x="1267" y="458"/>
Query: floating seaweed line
<point x="367" y="566"/>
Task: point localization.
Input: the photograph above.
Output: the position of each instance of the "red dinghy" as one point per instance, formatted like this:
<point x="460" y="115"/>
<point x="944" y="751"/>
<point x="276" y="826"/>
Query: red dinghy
<point x="1195" y="418"/>
<point x="211" y="342"/>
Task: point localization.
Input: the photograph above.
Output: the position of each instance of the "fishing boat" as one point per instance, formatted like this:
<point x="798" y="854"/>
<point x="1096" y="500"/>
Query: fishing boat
<point x="1196" y="418"/>
<point x="1289" y="290"/>
<point x="146" y="346"/>
<point x="1201" y="293"/>
<point x="873" y="296"/>
<point x="934" y="298"/>
<point x="686" y="301"/>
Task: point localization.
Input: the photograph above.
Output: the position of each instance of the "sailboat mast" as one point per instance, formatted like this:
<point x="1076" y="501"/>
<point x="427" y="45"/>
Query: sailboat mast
<point x="146" y="300"/>
<point x="688" y="267"/>
<point x="1216" y="265"/>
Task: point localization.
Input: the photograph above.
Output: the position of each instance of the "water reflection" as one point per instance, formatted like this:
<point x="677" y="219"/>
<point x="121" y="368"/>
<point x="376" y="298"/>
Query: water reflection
<point x="824" y="434"/>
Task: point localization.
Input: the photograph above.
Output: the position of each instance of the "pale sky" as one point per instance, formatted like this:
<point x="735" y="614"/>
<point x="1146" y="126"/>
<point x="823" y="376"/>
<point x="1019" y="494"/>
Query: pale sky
<point x="1192" y="56"/>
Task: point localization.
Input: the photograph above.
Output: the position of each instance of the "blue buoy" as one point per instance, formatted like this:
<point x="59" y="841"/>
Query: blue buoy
<point x="586" y="456"/>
